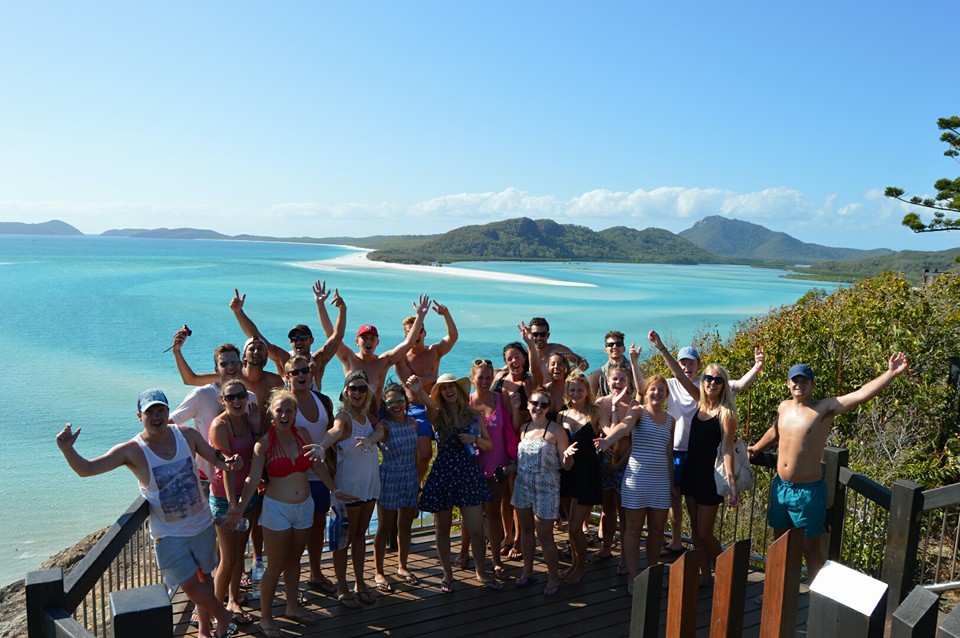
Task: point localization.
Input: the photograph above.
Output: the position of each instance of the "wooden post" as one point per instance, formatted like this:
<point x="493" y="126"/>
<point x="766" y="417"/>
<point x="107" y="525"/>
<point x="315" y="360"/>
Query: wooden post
<point x="781" y="586"/>
<point x="682" y="601"/>
<point x="916" y="617"/>
<point x="730" y="591"/>
<point x="903" y="536"/>
<point x="645" y="608"/>
<point x="144" y="612"/>
<point x="845" y="603"/>
<point x="43" y="589"/>
<point x="834" y="458"/>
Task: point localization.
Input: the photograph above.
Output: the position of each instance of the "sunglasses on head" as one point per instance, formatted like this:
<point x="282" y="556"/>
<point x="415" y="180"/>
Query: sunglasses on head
<point x="237" y="396"/>
<point x="483" y="362"/>
<point x="296" y="372"/>
<point x="709" y="378"/>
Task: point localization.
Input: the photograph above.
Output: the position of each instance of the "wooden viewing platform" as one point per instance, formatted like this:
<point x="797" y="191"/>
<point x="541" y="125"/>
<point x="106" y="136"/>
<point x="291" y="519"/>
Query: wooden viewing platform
<point x="597" y="605"/>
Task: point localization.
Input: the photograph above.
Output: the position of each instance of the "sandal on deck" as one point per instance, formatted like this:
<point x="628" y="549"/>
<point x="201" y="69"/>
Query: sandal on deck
<point x="446" y="587"/>
<point x="349" y="601"/>
<point x="241" y="617"/>
<point x="324" y="584"/>
<point x="409" y="579"/>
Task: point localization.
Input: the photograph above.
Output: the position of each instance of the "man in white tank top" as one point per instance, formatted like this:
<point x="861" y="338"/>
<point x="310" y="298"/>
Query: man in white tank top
<point x="161" y="457"/>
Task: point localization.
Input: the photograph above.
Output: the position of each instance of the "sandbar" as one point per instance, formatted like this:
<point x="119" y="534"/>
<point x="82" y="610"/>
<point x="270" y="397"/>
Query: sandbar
<point x="359" y="260"/>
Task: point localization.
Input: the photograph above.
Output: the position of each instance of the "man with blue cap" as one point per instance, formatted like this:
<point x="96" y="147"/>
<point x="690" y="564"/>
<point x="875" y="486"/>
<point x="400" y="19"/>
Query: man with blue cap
<point x="162" y="458"/>
<point x="798" y="494"/>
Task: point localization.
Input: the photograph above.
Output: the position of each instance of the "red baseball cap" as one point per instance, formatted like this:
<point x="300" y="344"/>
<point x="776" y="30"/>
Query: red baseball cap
<point x="365" y="328"/>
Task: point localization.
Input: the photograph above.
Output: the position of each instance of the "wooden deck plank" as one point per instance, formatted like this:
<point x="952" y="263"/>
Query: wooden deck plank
<point x="597" y="605"/>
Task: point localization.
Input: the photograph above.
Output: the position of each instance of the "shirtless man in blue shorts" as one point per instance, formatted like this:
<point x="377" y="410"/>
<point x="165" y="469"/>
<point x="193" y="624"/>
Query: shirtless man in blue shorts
<point x="798" y="495"/>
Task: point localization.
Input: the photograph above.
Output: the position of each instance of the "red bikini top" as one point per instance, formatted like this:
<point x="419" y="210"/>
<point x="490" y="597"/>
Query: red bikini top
<point x="280" y="464"/>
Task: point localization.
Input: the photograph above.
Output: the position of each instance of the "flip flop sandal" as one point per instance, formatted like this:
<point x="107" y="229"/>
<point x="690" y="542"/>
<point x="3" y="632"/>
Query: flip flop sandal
<point x="385" y="586"/>
<point x="446" y="587"/>
<point x="551" y="590"/>
<point x="410" y="579"/>
<point x="324" y="584"/>
<point x="366" y="597"/>
<point x="348" y="601"/>
<point x="242" y="617"/>
<point x="526" y="581"/>
<point x="499" y="572"/>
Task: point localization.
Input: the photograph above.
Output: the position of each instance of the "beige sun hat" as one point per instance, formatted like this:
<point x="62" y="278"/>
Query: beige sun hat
<point x="446" y="377"/>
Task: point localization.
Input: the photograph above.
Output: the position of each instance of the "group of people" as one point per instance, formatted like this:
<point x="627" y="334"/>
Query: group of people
<point x="518" y="447"/>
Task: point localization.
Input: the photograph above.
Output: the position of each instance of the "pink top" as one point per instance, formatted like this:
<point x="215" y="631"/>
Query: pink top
<point x="502" y="435"/>
<point x="243" y="446"/>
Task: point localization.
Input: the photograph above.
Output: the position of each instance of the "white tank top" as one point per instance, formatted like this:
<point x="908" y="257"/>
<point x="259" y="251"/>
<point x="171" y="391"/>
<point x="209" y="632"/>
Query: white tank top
<point x="177" y="506"/>
<point x="358" y="472"/>
<point x="316" y="429"/>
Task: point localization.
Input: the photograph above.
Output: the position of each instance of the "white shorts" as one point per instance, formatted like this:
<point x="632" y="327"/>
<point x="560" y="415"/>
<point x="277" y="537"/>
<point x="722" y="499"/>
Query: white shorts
<point x="279" y="516"/>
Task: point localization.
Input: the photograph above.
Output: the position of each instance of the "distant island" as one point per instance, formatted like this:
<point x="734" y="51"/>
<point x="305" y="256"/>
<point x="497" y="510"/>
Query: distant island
<point x="713" y="239"/>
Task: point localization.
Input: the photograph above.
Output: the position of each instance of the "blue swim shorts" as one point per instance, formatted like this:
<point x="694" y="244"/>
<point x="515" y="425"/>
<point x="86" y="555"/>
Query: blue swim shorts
<point x="178" y="557"/>
<point x="419" y="414"/>
<point x="800" y="505"/>
<point x="678" y="460"/>
<point x="321" y="498"/>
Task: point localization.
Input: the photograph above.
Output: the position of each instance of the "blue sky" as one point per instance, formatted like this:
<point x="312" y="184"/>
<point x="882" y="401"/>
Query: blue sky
<point x="361" y="118"/>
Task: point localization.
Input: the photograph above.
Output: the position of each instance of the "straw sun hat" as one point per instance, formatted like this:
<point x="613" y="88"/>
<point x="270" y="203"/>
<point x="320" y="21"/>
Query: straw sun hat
<point x="446" y="377"/>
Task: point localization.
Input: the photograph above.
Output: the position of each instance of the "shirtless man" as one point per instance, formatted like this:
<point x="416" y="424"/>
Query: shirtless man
<point x="798" y="495"/>
<point x="540" y="331"/>
<point x="366" y="359"/>
<point x="301" y="338"/>
<point x="180" y="521"/>
<point x="613" y="343"/>
<point x="424" y="361"/>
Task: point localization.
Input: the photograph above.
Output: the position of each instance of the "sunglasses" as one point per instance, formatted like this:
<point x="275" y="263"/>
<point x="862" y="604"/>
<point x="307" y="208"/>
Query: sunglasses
<point x="539" y="334"/>
<point x="358" y="389"/>
<point x="708" y="378"/>
<point x="483" y="362"/>
<point x="298" y="371"/>
<point x="540" y="404"/>
<point x="614" y="344"/>
<point x="391" y="402"/>
<point x="298" y="338"/>
<point x="238" y="396"/>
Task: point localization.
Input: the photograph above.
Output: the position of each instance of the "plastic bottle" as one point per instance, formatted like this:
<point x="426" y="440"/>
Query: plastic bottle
<point x="256" y="576"/>
<point x="474" y="429"/>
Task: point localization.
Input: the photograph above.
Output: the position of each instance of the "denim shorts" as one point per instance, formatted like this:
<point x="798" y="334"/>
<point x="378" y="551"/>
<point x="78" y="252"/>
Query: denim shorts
<point x="178" y="557"/>
<point x="800" y="505"/>
<point x="219" y="506"/>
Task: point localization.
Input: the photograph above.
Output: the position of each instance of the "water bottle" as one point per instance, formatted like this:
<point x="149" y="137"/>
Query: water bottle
<point x="255" y="577"/>
<point x="474" y="429"/>
<point x="243" y="525"/>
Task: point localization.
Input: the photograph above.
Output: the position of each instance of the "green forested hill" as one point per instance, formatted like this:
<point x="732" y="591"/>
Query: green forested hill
<point x="737" y="239"/>
<point x="544" y="239"/>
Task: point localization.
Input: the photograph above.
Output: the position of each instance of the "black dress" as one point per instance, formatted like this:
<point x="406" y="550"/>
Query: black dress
<point x="582" y="481"/>
<point x="696" y="480"/>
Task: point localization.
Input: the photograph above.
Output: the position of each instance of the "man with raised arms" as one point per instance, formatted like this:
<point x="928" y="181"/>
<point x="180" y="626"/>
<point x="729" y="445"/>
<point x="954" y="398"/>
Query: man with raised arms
<point x="366" y="359"/>
<point x="424" y="361"/>
<point x="798" y="494"/>
<point x="161" y="457"/>
<point x="613" y="343"/>
<point x="202" y="405"/>
<point x="301" y="338"/>
<point x="252" y="373"/>
<point x="682" y="407"/>
<point x="540" y="332"/>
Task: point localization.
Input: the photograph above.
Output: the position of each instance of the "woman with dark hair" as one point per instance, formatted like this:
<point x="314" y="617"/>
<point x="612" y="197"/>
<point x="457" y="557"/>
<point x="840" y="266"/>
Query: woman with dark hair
<point x="399" y="483"/>
<point x="456" y="479"/>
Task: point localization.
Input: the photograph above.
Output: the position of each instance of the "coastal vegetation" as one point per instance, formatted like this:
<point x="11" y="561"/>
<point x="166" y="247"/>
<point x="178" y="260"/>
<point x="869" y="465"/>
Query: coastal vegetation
<point x="912" y="430"/>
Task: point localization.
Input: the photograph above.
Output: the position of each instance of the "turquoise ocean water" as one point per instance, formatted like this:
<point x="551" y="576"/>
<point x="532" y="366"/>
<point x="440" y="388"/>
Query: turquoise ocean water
<point x="85" y="320"/>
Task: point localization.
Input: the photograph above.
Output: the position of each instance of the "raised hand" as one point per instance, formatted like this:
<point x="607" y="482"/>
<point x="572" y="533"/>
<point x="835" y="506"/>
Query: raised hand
<point x="655" y="339"/>
<point x="362" y="443"/>
<point x="898" y="364"/>
<point x="516" y="401"/>
<point x="236" y="304"/>
<point x="67" y="436"/>
<point x="440" y="309"/>
<point x="422" y="306"/>
<point x="179" y="337"/>
<point x="634" y="353"/>
<point x="235" y="462"/>
<point x="314" y="451"/>
<point x="525" y="333"/>
<point x="320" y="291"/>
<point x="338" y="300"/>
<point x="570" y="451"/>
<point x="414" y="384"/>
<point x="759" y="355"/>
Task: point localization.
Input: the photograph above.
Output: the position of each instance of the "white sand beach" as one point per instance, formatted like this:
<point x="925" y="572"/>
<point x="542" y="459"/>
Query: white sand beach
<point x="359" y="260"/>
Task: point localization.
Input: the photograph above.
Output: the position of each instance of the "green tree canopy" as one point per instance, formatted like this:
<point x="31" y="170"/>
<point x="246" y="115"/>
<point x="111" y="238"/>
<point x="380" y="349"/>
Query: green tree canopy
<point x="947" y="199"/>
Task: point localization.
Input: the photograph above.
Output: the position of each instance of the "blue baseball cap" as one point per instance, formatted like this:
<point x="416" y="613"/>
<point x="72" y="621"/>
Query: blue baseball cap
<point x="801" y="370"/>
<point x="688" y="352"/>
<point x="151" y="397"/>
